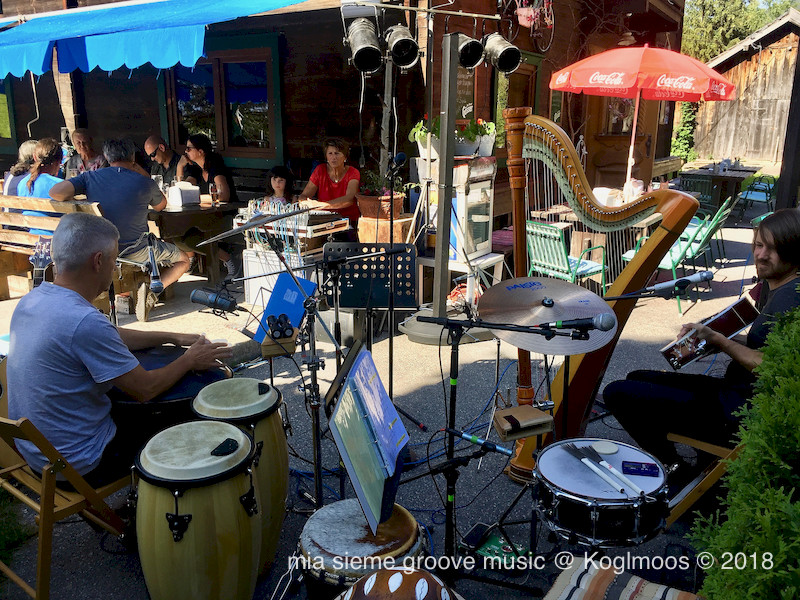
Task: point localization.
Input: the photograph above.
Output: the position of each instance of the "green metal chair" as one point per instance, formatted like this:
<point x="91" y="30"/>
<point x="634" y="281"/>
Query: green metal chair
<point x="548" y="255"/>
<point x="701" y="184"/>
<point x="761" y="190"/>
<point x="718" y="221"/>
<point x="677" y="254"/>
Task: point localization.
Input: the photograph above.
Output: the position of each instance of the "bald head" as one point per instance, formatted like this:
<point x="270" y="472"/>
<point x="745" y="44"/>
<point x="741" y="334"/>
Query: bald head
<point x="157" y="149"/>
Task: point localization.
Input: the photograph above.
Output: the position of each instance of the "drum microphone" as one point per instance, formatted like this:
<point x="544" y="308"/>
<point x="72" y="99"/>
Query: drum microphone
<point x="682" y="283"/>
<point x="603" y="322"/>
<point x="214" y="300"/>
<point x="474" y="439"/>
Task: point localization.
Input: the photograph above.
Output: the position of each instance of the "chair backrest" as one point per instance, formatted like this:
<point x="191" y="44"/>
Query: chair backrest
<point x="698" y="183"/>
<point x="547" y="249"/>
<point x="8" y="452"/>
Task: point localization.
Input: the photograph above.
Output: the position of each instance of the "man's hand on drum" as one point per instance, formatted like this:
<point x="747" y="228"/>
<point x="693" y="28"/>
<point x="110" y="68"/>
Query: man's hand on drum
<point x="207" y="355"/>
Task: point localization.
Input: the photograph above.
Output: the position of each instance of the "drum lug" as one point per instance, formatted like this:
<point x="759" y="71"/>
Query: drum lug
<point x="178" y="524"/>
<point x="257" y="455"/>
<point x="249" y="502"/>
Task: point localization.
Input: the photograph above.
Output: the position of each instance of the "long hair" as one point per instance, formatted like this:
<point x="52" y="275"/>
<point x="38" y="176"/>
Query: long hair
<point x="24" y="158"/>
<point x="784" y="227"/>
<point x="283" y="173"/>
<point x="47" y="153"/>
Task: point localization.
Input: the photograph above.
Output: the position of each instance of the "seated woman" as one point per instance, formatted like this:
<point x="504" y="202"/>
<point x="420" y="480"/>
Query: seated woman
<point x="47" y="157"/>
<point x="20" y="169"/>
<point x="207" y="167"/>
<point x="335" y="185"/>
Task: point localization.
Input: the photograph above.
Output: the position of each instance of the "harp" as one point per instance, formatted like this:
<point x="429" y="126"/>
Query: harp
<point x="541" y="153"/>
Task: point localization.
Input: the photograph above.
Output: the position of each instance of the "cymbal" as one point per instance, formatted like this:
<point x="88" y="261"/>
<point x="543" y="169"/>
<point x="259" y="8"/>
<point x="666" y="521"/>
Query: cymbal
<point x="531" y="301"/>
<point x="253" y="223"/>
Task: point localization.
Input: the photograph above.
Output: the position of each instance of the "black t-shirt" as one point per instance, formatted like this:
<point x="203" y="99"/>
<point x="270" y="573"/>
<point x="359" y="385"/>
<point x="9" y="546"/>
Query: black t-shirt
<point x="169" y="172"/>
<point x="771" y="303"/>
<point x="215" y="166"/>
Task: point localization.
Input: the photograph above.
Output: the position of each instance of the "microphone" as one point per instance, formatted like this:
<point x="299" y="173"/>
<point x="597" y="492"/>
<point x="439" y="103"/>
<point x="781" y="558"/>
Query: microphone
<point x="155" y="277"/>
<point x="603" y="322"/>
<point x="474" y="439"/>
<point x="213" y="300"/>
<point x="396" y="162"/>
<point x="682" y="283"/>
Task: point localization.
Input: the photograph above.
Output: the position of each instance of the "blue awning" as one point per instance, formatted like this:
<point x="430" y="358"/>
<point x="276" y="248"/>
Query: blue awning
<point x="160" y="33"/>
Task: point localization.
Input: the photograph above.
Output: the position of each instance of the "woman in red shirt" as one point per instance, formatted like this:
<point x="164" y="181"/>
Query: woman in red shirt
<point x="335" y="184"/>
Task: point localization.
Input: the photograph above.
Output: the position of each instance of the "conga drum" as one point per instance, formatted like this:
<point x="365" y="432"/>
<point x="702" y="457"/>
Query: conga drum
<point x="337" y="546"/>
<point x="196" y="515"/>
<point x="253" y="405"/>
<point x="399" y="583"/>
<point x="170" y="408"/>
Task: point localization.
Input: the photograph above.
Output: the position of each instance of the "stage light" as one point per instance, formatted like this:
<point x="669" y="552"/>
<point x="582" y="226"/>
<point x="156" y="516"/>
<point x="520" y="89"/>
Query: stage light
<point x="504" y="56"/>
<point x="363" y="42"/>
<point x="470" y="52"/>
<point x="402" y="46"/>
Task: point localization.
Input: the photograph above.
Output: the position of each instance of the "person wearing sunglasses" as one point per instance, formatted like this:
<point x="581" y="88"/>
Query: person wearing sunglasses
<point x="164" y="160"/>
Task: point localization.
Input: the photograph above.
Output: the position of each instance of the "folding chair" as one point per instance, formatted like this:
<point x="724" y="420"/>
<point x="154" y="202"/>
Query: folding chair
<point x="703" y="482"/>
<point x="548" y="255"/>
<point x="761" y="190"/>
<point x="702" y="185"/>
<point x="38" y="491"/>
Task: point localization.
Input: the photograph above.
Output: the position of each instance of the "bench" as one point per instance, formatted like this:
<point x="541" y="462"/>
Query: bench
<point x="668" y="167"/>
<point x="18" y="246"/>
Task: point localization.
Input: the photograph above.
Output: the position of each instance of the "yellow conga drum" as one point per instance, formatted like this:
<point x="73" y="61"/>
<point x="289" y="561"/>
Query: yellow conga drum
<point x="196" y="514"/>
<point x="253" y="405"/>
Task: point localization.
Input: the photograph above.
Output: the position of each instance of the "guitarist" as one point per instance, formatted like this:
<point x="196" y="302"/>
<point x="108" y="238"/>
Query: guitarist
<point x="651" y="404"/>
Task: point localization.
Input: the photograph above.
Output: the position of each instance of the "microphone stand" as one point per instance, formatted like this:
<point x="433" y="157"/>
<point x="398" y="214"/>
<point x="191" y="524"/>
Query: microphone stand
<point x="681" y="290"/>
<point x="313" y="364"/>
<point x="456" y="329"/>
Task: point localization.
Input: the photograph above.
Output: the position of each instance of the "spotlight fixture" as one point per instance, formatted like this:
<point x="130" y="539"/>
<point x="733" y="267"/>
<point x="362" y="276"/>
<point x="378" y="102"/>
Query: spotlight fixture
<point x="402" y="46"/>
<point x="363" y="42"/>
<point x="504" y="56"/>
<point x="470" y="51"/>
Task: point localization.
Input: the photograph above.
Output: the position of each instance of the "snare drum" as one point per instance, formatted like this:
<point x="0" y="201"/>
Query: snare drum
<point x="197" y="475"/>
<point x="581" y="507"/>
<point x="337" y="546"/>
<point x="253" y="405"/>
<point x="170" y="408"/>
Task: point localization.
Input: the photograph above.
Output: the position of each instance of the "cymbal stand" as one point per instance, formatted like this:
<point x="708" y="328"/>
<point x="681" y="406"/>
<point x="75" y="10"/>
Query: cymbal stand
<point x="314" y="364"/>
<point x="456" y="328"/>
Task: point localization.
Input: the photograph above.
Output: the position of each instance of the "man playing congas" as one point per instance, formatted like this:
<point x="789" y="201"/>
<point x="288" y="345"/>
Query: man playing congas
<point x="65" y="356"/>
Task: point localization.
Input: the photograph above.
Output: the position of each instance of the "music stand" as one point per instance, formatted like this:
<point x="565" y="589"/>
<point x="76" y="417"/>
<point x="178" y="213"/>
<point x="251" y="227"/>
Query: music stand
<point x="370" y="436"/>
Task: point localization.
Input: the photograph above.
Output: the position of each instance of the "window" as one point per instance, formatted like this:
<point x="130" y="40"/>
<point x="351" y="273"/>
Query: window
<point x="8" y="137"/>
<point x="231" y="97"/>
<point x="619" y="116"/>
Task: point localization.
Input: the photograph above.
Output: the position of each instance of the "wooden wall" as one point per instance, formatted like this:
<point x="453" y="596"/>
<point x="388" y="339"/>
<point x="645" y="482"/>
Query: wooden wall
<point x="754" y="125"/>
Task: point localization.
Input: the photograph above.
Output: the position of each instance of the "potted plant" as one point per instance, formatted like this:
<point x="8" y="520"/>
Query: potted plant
<point x="482" y="132"/>
<point x="419" y="134"/>
<point x="373" y="196"/>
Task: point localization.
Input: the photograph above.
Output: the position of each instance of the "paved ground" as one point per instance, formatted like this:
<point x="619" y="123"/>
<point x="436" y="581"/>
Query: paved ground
<point x="91" y="566"/>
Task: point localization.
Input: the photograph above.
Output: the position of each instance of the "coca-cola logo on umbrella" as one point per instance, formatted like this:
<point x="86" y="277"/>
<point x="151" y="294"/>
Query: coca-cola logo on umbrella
<point x="562" y="78"/>
<point x="614" y="78"/>
<point x="676" y="83"/>
<point x="718" y="88"/>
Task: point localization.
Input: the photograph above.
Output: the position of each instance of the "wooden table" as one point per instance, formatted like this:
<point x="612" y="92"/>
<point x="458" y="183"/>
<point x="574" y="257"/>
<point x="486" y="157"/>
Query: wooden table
<point x="723" y="184"/>
<point x="174" y="224"/>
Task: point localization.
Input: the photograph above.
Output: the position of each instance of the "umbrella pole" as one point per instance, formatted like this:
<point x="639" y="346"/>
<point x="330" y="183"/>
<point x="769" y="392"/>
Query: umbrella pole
<point x="633" y="137"/>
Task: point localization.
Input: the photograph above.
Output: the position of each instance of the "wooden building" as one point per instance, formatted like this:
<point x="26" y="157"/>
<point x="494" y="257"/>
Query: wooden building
<point x="295" y="86"/>
<point x="762" y="68"/>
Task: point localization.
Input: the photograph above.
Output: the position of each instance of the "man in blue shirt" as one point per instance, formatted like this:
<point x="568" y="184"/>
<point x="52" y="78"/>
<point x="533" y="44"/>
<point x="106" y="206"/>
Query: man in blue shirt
<point x="65" y="355"/>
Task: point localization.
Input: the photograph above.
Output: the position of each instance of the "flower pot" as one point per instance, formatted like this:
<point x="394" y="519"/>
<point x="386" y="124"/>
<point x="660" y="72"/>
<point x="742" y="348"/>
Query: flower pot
<point x="377" y="207"/>
<point x="465" y="147"/>
<point x="487" y="145"/>
<point x="423" y="148"/>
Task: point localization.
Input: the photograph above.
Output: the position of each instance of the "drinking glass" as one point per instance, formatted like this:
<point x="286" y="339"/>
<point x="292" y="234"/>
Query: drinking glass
<point x="212" y="189"/>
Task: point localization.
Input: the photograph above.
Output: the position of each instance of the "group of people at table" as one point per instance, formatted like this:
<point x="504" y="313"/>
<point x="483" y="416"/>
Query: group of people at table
<point x="65" y="356"/>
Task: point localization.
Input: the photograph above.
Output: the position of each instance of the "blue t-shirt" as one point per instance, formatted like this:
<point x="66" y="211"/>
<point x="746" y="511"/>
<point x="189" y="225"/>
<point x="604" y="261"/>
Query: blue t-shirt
<point x="41" y="186"/>
<point x="124" y="196"/>
<point x="62" y="358"/>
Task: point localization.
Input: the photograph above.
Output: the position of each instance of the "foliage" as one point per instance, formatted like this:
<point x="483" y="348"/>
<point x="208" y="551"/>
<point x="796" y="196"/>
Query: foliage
<point x="419" y="133"/>
<point x="762" y="511"/>
<point x="372" y="184"/>
<point x="712" y="26"/>
<point x="12" y="531"/>
<point x="683" y="142"/>
<point x="475" y="129"/>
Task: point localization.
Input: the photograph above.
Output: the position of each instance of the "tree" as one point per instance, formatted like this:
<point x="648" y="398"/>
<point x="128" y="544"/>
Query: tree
<point x="712" y="26"/>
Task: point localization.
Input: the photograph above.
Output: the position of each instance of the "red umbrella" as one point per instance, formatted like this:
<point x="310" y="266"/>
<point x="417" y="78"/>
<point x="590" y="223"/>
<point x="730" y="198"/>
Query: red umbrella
<point x="649" y="73"/>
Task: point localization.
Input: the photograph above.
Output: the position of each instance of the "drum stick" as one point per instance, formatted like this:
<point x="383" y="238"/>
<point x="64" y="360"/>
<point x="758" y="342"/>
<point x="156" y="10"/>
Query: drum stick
<point x="607" y="478"/>
<point x="594" y="455"/>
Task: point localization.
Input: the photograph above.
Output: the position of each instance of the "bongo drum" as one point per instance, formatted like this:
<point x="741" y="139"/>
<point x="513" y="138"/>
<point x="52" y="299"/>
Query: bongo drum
<point x="399" y="584"/>
<point x="337" y="547"/>
<point x="253" y="405"/>
<point x="196" y="515"/>
<point x="581" y="507"/>
<point x="170" y="408"/>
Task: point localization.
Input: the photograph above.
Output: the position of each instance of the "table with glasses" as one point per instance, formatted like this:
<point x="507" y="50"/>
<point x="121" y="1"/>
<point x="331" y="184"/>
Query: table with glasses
<point x="723" y="184"/>
<point x="190" y="224"/>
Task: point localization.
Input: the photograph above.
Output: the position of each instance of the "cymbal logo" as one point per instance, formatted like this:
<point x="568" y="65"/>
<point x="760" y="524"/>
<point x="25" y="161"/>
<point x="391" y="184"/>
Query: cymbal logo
<point x="530" y="285"/>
